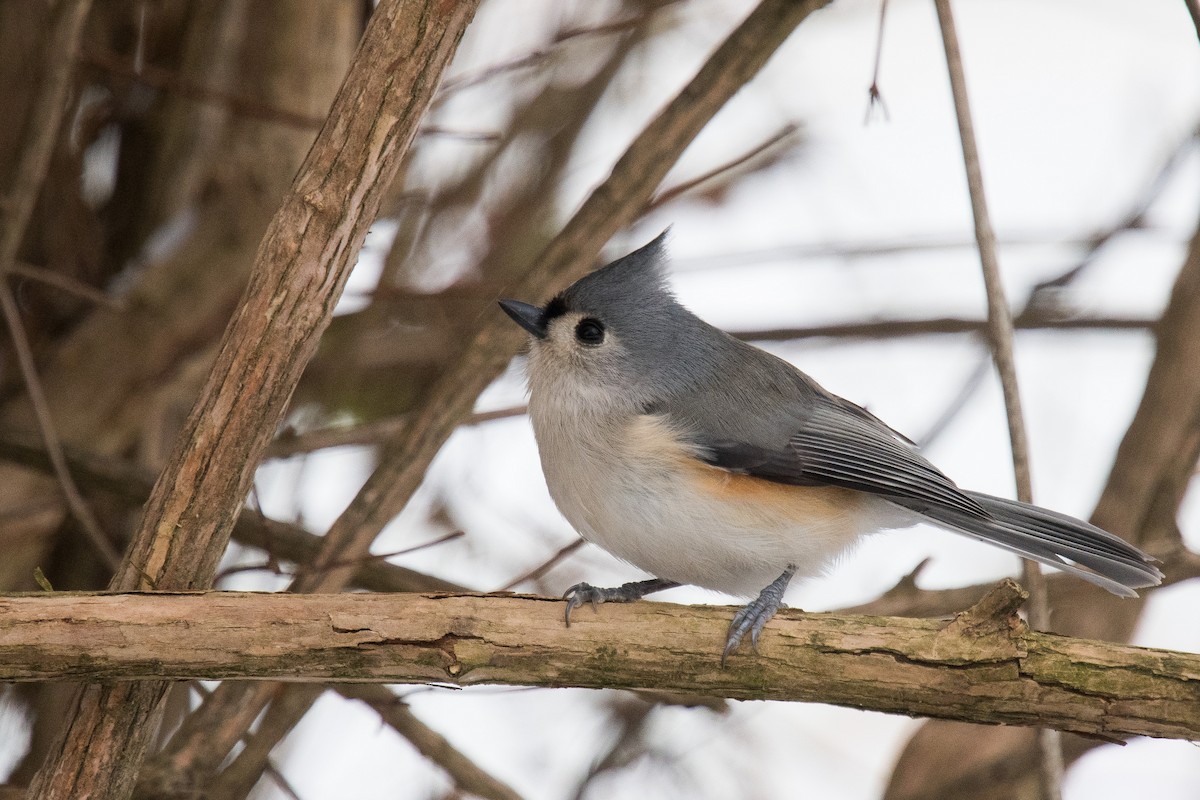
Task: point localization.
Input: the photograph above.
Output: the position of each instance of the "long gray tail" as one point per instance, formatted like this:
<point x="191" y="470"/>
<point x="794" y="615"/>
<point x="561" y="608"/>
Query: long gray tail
<point x="1057" y="540"/>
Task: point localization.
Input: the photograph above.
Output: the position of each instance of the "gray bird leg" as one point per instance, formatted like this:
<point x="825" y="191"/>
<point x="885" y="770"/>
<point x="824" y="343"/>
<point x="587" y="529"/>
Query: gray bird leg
<point x="756" y="614"/>
<point x="582" y="593"/>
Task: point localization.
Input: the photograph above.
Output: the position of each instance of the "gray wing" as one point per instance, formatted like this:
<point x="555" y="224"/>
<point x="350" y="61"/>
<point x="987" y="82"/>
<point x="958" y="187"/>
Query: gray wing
<point x="833" y="445"/>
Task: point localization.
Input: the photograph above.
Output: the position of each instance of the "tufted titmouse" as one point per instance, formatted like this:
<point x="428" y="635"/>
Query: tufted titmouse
<point x="704" y="460"/>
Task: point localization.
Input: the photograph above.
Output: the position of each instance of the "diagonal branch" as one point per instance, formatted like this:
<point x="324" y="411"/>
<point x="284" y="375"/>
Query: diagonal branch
<point x="66" y="284"/>
<point x="611" y="206"/>
<point x="982" y="666"/>
<point x="669" y="195"/>
<point x="466" y="775"/>
<point x="54" y="449"/>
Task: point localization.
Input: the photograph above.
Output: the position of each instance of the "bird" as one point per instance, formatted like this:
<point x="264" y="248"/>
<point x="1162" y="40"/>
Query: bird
<point x="703" y="460"/>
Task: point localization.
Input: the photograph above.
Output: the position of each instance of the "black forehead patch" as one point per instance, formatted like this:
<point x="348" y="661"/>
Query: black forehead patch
<point x="554" y="309"/>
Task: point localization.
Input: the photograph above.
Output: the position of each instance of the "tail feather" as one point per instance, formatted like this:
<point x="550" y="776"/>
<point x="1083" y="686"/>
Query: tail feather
<point x="1056" y="540"/>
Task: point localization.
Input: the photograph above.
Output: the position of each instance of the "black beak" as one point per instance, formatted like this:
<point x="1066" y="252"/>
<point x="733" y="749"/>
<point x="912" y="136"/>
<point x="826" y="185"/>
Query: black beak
<point x="528" y="317"/>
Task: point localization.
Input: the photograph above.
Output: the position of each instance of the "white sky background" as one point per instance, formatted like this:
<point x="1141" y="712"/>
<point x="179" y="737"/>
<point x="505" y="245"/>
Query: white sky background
<point x="1076" y="105"/>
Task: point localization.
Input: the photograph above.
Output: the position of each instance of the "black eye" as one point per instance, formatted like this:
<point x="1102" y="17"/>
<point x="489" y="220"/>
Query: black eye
<point x="589" y="331"/>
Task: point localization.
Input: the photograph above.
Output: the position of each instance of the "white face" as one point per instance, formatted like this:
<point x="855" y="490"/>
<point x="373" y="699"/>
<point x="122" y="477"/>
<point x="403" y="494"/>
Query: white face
<point x="581" y="366"/>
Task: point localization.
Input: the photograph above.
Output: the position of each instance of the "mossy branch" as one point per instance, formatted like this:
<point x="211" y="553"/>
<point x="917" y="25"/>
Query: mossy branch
<point x="982" y="666"/>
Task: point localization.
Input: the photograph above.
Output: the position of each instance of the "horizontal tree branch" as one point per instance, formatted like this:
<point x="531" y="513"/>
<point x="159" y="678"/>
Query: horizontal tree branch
<point x="937" y="326"/>
<point x="983" y="666"/>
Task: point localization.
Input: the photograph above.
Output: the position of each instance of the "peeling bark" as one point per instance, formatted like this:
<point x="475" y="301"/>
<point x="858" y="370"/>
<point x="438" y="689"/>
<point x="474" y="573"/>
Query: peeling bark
<point x="983" y="666"/>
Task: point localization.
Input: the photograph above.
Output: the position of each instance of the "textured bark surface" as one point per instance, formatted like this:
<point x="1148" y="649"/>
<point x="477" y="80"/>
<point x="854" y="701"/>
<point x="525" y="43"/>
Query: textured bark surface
<point x="983" y="666"/>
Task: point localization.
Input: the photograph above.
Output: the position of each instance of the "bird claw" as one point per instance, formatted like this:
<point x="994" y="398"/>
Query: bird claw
<point x="582" y="593"/>
<point x="750" y="619"/>
<point x="755" y="615"/>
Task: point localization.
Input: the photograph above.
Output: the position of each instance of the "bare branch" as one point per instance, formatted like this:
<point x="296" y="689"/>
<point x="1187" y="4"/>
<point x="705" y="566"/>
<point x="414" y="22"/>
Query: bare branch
<point x="545" y="566"/>
<point x="167" y="80"/>
<point x="983" y="666"/>
<point x="65" y="283"/>
<point x="465" y="773"/>
<point x="54" y="449"/>
<point x="238" y="779"/>
<point x="667" y="195"/>
<point x="1000" y="329"/>
<point x="906" y="599"/>
<point x="284" y="541"/>
<point x="940" y="326"/>
<point x="1133" y="218"/>
<point x="459" y="82"/>
<point x="874" y="95"/>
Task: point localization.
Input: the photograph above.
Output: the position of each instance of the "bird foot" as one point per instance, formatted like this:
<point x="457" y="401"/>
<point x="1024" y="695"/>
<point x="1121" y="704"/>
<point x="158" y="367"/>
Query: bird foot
<point x="582" y="593"/>
<point x="756" y="614"/>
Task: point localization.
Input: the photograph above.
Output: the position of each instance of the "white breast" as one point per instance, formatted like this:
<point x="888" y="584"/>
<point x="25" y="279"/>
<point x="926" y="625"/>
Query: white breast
<point x="631" y="488"/>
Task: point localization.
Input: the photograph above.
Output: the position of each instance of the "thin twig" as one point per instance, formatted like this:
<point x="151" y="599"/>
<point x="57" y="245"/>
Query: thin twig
<point x="466" y="774"/>
<point x="66" y="284"/>
<point x="667" y="195"/>
<point x="289" y="443"/>
<point x="627" y="723"/>
<point x="480" y="417"/>
<point x="545" y="566"/>
<point x="940" y="326"/>
<point x="956" y="405"/>
<point x="167" y="80"/>
<point x="42" y="129"/>
<point x="906" y="599"/>
<point x="466" y="136"/>
<point x="377" y="557"/>
<point x="818" y="251"/>
<point x="1134" y="217"/>
<point x="457" y="83"/>
<point x="281" y="782"/>
<point x="1001" y="333"/>
<point x="874" y="96"/>
<point x="54" y="450"/>
<point x="368" y="433"/>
